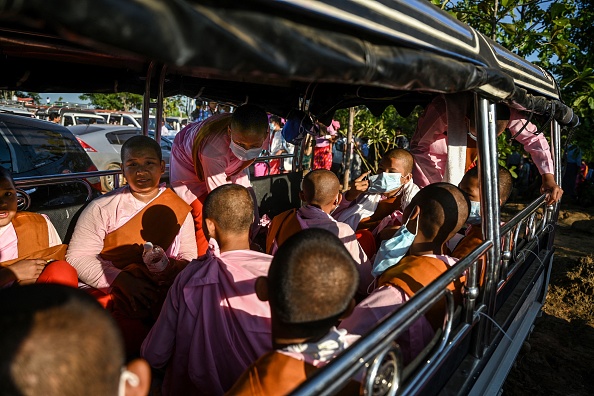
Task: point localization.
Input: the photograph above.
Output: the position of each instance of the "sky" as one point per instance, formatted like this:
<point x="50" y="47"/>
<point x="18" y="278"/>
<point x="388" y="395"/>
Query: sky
<point x="66" y="97"/>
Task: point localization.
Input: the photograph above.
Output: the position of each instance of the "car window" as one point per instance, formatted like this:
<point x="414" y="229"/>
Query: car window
<point x="80" y="120"/>
<point x="119" y="137"/>
<point x="41" y="146"/>
<point x="68" y="120"/>
<point x="5" y="157"/>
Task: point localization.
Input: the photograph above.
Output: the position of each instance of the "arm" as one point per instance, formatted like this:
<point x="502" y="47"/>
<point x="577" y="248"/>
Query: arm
<point x="380" y="303"/>
<point x="24" y="272"/>
<point x="85" y="246"/>
<point x="539" y="150"/>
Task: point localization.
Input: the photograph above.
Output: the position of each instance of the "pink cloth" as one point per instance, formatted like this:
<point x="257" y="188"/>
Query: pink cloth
<point x="9" y="241"/>
<point x="312" y="217"/>
<point x="218" y="161"/>
<point x="429" y="144"/>
<point x="212" y="325"/>
<point x="382" y="302"/>
<point x="104" y="215"/>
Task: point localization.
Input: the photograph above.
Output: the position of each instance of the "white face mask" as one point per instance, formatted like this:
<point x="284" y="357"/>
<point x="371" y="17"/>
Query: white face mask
<point x="127" y="377"/>
<point x="244" y="154"/>
<point x="384" y="182"/>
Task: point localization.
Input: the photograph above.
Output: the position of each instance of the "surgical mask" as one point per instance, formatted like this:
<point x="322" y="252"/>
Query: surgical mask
<point x="393" y="250"/>
<point x="474" y="217"/>
<point x="384" y="182"/>
<point x="272" y="128"/>
<point x="127" y="376"/>
<point x="244" y="154"/>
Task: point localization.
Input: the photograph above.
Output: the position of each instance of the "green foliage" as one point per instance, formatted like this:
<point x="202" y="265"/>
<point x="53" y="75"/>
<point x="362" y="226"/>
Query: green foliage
<point x="122" y="101"/>
<point x="556" y="35"/>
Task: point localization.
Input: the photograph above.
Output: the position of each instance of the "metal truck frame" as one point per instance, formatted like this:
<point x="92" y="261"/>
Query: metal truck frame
<point x="322" y="56"/>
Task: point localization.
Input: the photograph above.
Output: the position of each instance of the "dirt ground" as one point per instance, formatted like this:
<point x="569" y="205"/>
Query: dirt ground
<point x="558" y="358"/>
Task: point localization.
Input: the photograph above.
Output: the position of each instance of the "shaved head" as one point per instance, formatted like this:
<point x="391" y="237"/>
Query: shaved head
<point x="444" y="210"/>
<point x="231" y="207"/>
<point x="320" y="187"/>
<point x="506" y="182"/>
<point x="311" y="281"/>
<point x="404" y="157"/>
<point x="57" y="340"/>
<point x="250" y="120"/>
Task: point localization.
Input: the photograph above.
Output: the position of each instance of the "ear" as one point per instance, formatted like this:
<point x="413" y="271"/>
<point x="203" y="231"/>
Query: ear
<point x="349" y="310"/>
<point x="141" y="368"/>
<point x="162" y="167"/>
<point x="339" y="198"/>
<point x="408" y="178"/>
<point x="210" y="227"/>
<point x="262" y="288"/>
<point x="414" y="214"/>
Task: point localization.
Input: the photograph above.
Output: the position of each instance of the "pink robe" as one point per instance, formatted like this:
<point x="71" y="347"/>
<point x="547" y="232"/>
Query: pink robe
<point x="218" y="161"/>
<point x="382" y="302"/>
<point x="212" y="325"/>
<point x="429" y="144"/>
<point x="312" y="217"/>
<point x="104" y="215"/>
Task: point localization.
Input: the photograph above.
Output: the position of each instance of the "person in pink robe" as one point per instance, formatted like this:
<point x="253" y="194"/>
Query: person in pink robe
<point x="216" y="151"/>
<point x="429" y="146"/>
<point x="212" y="325"/>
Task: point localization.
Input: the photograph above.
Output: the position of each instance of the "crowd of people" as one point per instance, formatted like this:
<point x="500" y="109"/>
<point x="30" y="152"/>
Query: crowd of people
<point x="175" y="280"/>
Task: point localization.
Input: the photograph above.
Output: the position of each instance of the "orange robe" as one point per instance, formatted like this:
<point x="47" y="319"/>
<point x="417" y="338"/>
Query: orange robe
<point x="415" y="272"/>
<point x="278" y="374"/>
<point x="33" y="243"/>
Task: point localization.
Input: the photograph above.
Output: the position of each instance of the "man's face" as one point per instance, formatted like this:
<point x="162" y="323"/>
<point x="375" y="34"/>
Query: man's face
<point x="394" y="165"/>
<point x="8" y="202"/>
<point x="142" y="169"/>
<point x="245" y="140"/>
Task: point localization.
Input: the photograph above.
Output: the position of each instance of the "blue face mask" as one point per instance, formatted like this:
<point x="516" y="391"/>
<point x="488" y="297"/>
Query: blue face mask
<point x="474" y="217"/>
<point x="244" y="154"/>
<point x="384" y="182"/>
<point x="393" y="250"/>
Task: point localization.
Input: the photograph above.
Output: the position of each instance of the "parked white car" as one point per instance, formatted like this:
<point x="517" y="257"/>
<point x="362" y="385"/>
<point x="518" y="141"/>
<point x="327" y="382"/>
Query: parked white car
<point x="72" y="118"/>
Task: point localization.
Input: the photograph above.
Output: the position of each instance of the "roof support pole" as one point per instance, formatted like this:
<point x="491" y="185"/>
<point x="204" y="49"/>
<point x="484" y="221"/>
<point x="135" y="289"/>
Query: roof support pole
<point x="489" y="188"/>
<point x="159" y="119"/>
<point x="146" y="101"/>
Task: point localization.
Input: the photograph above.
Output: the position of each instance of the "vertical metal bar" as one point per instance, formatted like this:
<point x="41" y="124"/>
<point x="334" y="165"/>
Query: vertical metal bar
<point x="349" y="150"/>
<point x="146" y="102"/>
<point x="556" y="142"/>
<point x="159" y="117"/>
<point x="489" y="181"/>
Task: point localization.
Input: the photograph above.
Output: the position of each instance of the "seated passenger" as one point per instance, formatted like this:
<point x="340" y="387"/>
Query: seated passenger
<point x="470" y="185"/>
<point x="434" y="215"/>
<point x="30" y="247"/>
<point x="107" y="245"/>
<point x="213" y="326"/>
<point x="320" y="191"/>
<point x="378" y="203"/>
<point x="310" y="286"/>
<point x="57" y="341"/>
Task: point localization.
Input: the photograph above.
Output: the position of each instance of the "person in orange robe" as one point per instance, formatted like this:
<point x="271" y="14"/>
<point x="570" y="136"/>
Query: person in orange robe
<point x="310" y="286"/>
<point x="107" y="245"/>
<point x="30" y="247"/>
<point x="474" y="233"/>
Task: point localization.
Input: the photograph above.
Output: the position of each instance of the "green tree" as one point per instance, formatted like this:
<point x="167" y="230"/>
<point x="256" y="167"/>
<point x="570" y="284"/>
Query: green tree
<point x="122" y="101"/>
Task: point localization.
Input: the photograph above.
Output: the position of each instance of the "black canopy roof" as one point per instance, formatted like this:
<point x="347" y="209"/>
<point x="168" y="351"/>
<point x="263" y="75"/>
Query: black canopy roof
<point x="335" y="53"/>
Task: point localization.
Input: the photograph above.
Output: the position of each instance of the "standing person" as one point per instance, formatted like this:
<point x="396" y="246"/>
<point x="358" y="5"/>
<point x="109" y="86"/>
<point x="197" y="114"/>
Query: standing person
<point x="277" y="145"/>
<point x="323" y="150"/>
<point x="401" y="139"/>
<point x="55" y="117"/>
<point x="429" y="145"/>
<point x="338" y="149"/>
<point x="214" y="152"/>
<point x="574" y="161"/>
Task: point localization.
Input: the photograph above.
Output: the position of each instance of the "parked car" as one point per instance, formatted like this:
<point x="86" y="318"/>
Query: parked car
<point x="170" y="130"/>
<point x="32" y="147"/>
<point x="126" y="119"/>
<point x="103" y="144"/>
<point x="70" y="118"/>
